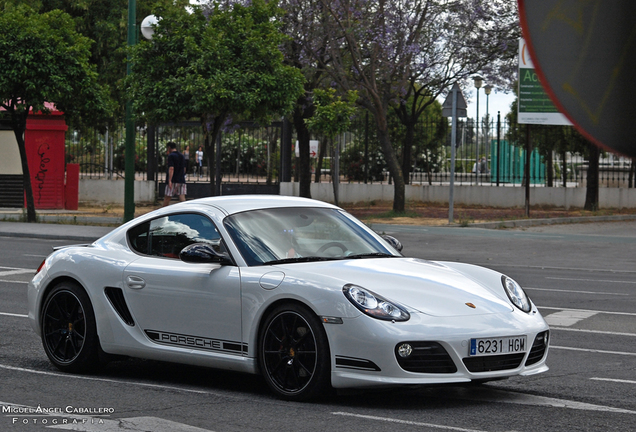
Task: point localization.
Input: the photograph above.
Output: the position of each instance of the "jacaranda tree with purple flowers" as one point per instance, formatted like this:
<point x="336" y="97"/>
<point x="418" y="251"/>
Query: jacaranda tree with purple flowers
<point x="394" y="51"/>
<point x="461" y="38"/>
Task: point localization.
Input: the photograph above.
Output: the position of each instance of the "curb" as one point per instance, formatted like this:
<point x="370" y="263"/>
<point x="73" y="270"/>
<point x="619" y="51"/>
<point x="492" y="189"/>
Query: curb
<point x="521" y="223"/>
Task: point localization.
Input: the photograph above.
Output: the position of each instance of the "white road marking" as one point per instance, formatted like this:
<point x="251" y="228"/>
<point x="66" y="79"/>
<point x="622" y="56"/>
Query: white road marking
<point x="587" y="310"/>
<point x="12" y="281"/>
<point x="13" y="315"/>
<point x="133" y="424"/>
<point x="592" y="331"/>
<point x="16" y="271"/>
<point x="99" y="423"/>
<point x="567" y="318"/>
<point x="614" y="380"/>
<point x="502" y="396"/>
<point x="591" y="280"/>
<point x="512" y="397"/>
<point x="593" y="350"/>
<point x="404" y="422"/>
<point x="113" y="381"/>
<point x="575" y="292"/>
<point x="540" y="236"/>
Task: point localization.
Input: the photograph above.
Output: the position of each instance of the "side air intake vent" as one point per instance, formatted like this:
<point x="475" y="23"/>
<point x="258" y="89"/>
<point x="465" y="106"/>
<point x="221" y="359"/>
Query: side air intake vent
<point x="116" y="298"/>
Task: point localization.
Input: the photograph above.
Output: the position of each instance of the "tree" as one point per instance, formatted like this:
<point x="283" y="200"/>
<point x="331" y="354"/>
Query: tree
<point x="45" y="61"/>
<point x="332" y="117"/>
<point x="105" y="23"/>
<point x="562" y="139"/>
<point x="303" y="23"/>
<point x="220" y="67"/>
<point x="400" y="50"/>
<point x="426" y="138"/>
<point x="459" y="39"/>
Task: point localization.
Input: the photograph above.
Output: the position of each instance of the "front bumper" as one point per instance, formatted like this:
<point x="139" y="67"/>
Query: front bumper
<point x="363" y="349"/>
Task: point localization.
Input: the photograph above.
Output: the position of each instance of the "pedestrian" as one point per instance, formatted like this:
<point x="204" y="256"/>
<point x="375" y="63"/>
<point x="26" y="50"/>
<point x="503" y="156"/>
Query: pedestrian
<point x="483" y="165"/>
<point x="175" y="175"/>
<point x="186" y="156"/>
<point x="199" y="160"/>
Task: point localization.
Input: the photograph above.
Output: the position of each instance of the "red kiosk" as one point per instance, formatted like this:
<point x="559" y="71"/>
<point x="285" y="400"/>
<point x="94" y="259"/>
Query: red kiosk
<point x="55" y="185"/>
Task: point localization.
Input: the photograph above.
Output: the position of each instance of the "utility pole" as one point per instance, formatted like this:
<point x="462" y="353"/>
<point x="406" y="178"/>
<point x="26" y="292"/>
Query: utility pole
<point x="129" y="173"/>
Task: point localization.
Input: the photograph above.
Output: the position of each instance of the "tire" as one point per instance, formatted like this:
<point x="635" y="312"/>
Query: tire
<point x="294" y="354"/>
<point x="69" y="333"/>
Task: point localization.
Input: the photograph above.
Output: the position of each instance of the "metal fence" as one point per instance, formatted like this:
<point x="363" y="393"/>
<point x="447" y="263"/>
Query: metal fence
<point x="252" y="154"/>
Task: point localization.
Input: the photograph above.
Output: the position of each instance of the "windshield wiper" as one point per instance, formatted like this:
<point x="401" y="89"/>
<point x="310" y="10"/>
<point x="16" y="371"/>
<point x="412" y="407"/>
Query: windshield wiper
<point x="371" y="255"/>
<point x="301" y="259"/>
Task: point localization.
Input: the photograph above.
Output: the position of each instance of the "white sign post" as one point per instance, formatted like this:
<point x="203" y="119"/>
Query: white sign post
<point x="454" y="106"/>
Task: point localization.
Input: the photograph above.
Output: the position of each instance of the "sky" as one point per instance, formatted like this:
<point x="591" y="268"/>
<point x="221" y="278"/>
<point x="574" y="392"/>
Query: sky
<point x="497" y="101"/>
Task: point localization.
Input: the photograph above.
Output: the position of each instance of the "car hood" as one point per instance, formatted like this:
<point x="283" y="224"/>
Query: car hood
<point x="421" y="286"/>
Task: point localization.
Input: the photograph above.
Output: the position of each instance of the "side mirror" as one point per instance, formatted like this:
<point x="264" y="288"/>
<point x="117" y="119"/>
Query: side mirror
<point x="203" y="253"/>
<point x="395" y="243"/>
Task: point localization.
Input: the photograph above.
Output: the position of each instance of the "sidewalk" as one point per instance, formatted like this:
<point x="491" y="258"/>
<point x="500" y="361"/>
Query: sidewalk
<point x="89" y="224"/>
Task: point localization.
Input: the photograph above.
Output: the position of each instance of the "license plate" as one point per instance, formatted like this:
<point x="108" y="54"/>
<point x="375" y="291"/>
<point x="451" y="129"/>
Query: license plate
<point x="495" y="346"/>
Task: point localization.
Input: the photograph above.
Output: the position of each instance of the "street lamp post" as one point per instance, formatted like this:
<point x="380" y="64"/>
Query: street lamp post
<point x="487" y="90"/>
<point x="478" y="82"/>
<point x="129" y="161"/>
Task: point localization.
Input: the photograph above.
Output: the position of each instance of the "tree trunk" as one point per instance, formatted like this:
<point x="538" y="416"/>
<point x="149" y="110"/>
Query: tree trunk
<point x="407" y="151"/>
<point x="564" y="170"/>
<point x="322" y="149"/>
<point x="272" y="144"/>
<point x="399" y="201"/>
<point x="210" y="142"/>
<point x="304" y="161"/>
<point x="18" y="123"/>
<point x="550" y="168"/>
<point x="591" y="195"/>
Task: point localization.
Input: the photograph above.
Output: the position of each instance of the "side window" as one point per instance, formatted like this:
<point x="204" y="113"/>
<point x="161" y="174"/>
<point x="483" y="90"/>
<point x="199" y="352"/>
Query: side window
<point x="166" y="236"/>
<point x="138" y="238"/>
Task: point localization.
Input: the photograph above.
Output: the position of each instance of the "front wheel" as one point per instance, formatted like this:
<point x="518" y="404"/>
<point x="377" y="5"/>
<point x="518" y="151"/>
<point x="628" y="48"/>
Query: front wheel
<point x="294" y="353"/>
<point x="69" y="333"/>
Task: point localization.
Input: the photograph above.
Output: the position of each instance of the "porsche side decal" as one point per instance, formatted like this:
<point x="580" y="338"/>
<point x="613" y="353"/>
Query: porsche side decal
<point x="196" y="342"/>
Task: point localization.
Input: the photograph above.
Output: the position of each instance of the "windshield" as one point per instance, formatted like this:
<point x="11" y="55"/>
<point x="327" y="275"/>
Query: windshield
<point x="301" y="234"/>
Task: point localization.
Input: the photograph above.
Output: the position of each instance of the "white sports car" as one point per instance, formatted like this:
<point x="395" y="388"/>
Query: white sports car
<point x="294" y="289"/>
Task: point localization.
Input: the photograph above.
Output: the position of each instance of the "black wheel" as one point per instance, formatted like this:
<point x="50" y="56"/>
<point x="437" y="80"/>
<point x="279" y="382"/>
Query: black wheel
<point x="69" y="334"/>
<point x="294" y="353"/>
<point x="330" y="245"/>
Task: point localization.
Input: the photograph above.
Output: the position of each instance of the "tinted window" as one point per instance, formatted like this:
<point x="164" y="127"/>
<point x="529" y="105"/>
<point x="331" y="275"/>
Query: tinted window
<point x="168" y="235"/>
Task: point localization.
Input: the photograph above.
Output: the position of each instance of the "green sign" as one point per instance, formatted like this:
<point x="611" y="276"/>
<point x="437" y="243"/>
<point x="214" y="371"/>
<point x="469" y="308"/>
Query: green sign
<point x="534" y="105"/>
<point x="532" y="97"/>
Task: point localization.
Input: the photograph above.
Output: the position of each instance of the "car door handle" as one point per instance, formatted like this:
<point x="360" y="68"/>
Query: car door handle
<point x="135" y="282"/>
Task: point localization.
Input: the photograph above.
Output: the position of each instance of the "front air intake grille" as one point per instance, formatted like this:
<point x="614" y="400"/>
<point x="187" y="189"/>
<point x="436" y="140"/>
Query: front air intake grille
<point x="426" y="357"/>
<point x="538" y="348"/>
<point x="116" y="298"/>
<point x="493" y="363"/>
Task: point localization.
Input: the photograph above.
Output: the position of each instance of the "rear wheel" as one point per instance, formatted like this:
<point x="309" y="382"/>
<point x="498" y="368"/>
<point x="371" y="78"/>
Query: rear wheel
<point x="69" y="333"/>
<point x="294" y="353"/>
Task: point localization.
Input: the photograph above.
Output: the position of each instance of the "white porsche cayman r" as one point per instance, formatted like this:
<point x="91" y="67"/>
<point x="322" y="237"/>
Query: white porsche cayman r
<point x="294" y="289"/>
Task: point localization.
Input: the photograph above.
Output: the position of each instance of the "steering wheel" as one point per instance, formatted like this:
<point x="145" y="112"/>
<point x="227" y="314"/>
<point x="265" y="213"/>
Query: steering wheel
<point x="330" y="245"/>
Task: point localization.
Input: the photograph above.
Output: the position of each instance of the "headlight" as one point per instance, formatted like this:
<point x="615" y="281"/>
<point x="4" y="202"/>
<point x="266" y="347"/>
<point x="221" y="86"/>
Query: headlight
<point x="516" y="294"/>
<point x="373" y="304"/>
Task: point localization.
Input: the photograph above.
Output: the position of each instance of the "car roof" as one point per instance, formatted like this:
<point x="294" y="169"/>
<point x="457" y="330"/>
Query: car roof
<point x="232" y="204"/>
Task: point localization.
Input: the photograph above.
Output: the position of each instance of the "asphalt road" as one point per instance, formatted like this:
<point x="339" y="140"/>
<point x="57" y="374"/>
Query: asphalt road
<point x="582" y="277"/>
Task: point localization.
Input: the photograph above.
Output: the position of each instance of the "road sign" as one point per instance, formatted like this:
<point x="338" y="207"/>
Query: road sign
<point x="534" y="105"/>
<point x="585" y="54"/>
<point x="447" y="106"/>
<point x="313" y="148"/>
